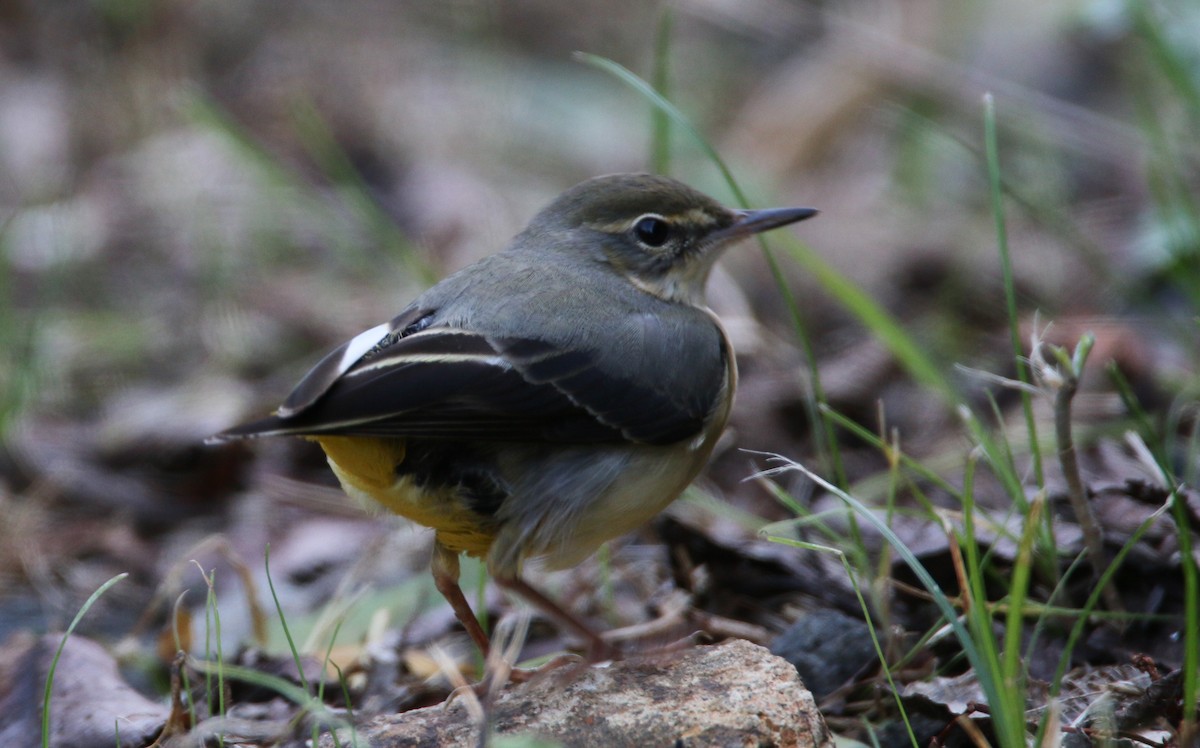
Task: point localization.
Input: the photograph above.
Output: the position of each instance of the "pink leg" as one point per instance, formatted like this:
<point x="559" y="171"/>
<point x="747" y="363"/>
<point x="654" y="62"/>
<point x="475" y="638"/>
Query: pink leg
<point x="598" y="649"/>
<point x="445" y="578"/>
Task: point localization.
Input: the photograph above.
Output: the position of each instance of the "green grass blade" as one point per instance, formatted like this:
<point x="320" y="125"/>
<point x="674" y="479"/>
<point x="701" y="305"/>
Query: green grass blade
<point x="321" y="686"/>
<point x="1191" y="628"/>
<point x="1175" y="67"/>
<point x="668" y="109"/>
<point x="1093" y="600"/>
<point x="866" y="611"/>
<point x="207" y="113"/>
<point x="288" y="690"/>
<point x="1010" y="294"/>
<point x="1003" y="701"/>
<point x="660" y="122"/>
<point x="287" y="633"/>
<point x="58" y="653"/>
<point x="921" y="469"/>
<point x="322" y="146"/>
<point x="1012" y="672"/>
<point x="183" y="675"/>
<point x="940" y="600"/>
<point x="349" y="704"/>
<point x="24" y="367"/>
<point x="1151" y="435"/>
<point x="829" y="448"/>
<point x="920" y="366"/>
<point x="909" y="354"/>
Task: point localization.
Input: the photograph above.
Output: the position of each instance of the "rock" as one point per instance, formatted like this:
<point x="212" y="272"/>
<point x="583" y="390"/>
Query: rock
<point x="827" y="648"/>
<point x="734" y="694"/>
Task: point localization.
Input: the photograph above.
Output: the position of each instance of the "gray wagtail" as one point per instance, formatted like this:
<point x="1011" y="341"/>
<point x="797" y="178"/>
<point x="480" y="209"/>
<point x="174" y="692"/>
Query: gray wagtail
<point x="547" y="398"/>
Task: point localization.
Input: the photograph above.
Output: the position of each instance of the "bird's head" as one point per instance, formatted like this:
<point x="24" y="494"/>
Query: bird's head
<point x="660" y="234"/>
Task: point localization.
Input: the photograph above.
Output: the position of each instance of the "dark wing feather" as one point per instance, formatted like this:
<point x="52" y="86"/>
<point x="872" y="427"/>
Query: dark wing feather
<point x="452" y="383"/>
<point x="641" y="412"/>
<point x="681" y="366"/>
<point x="437" y="383"/>
<point x="340" y="360"/>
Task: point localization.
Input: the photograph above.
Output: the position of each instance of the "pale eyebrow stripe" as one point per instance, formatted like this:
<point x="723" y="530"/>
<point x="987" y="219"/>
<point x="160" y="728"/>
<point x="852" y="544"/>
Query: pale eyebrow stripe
<point x="691" y="216"/>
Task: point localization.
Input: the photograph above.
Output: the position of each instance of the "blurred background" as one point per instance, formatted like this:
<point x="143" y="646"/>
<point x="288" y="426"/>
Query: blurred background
<point x="198" y="198"/>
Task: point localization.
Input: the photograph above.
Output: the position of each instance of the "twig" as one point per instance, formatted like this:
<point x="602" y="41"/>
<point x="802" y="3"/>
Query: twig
<point x="1093" y="538"/>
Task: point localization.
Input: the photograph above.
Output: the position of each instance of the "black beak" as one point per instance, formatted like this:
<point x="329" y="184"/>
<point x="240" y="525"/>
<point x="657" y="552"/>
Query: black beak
<point x="756" y="221"/>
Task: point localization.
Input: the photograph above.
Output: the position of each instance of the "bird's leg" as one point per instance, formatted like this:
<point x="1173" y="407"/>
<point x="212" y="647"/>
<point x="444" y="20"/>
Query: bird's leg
<point x="445" y="570"/>
<point x="598" y="649"/>
<point x="445" y="578"/>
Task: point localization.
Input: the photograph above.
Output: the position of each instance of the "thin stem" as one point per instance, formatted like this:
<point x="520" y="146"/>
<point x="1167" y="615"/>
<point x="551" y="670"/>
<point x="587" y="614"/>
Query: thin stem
<point x="1093" y="536"/>
<point x="660" y="123"/>
<point x="1010" y="294"/>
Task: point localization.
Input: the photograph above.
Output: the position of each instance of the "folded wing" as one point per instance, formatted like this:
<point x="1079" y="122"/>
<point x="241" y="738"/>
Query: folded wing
<point x="451" y="383"/>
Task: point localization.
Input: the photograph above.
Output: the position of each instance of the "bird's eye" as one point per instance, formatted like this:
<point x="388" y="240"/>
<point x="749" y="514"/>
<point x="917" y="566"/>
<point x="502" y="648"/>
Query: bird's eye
<point x="651" y="230"/>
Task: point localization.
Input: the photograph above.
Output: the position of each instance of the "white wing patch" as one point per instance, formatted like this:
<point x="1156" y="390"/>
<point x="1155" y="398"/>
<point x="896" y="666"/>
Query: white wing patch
<point x="318" y="380"/>
<point x="361" y="343"/>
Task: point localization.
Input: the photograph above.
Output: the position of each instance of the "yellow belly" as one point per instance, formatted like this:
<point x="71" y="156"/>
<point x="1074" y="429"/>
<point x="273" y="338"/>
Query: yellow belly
<point x="564" y="531"/>
<point x="366" y="468"/>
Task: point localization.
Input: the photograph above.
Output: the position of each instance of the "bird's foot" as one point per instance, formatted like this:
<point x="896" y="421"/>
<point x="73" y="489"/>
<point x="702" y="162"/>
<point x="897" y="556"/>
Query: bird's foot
<point x="574" y="664"/>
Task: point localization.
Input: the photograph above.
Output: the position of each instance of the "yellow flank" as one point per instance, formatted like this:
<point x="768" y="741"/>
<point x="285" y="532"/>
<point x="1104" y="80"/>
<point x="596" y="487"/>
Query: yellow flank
<point x="366" y="467"/>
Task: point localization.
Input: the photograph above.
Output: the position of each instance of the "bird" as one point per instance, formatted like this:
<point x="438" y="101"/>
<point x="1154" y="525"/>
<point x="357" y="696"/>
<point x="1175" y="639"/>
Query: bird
<point x="546" y="399"/>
